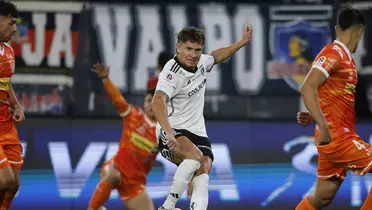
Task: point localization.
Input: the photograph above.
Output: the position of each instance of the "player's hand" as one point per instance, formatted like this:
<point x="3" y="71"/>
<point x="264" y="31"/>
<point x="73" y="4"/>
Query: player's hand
<point x="101" y="70"/>
<point x="304" y="118"/>
<point x="172" y="142"/>
<point x="18" y="116"/>
<point x="324" y="136"/>
<point x="247" y="33"/>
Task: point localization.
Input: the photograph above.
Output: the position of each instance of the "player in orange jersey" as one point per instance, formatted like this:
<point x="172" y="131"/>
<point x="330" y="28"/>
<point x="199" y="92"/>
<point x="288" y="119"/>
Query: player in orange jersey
<point x="128" y="169"/>
<point x="10" y="147"/>
<point x="329" y="93"/>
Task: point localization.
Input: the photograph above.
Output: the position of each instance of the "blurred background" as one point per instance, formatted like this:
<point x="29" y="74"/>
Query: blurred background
<point x="264" y="160"/>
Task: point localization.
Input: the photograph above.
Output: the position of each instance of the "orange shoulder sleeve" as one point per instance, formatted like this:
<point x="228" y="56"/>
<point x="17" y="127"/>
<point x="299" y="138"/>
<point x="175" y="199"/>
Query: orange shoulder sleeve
<point x="328" y="60"/>
<point x="117" y="99"/>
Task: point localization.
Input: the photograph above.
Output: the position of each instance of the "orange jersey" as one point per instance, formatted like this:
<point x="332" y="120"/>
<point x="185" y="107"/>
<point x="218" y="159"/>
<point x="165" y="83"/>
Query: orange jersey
<point x="337" y="94"/>
<point x="7" y="65"/>
<point x="138" y="144"/>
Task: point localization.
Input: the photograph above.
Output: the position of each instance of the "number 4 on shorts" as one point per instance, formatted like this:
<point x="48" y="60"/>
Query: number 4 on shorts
<point x="359" y="145"/>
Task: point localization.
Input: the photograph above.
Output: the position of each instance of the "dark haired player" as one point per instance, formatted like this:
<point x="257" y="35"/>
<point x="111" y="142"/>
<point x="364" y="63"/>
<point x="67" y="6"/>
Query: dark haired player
<point x="178" y="107"/>
<point x="11" y="159"/>
<point x="127" y="170"/>
<point x="329" y="94"/>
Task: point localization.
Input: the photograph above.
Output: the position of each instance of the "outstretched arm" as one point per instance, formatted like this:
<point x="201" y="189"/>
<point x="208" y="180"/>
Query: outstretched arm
<point x="220" y="55"/>
<point x="112" y="91"/>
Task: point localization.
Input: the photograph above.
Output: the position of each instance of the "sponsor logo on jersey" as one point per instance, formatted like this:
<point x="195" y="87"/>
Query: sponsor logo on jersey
<point x="321" y="60"/>
<point x="4" y="83"/>
<point x="169" y="77"/>
<point x="142" y="142"/>
<point x="197" y="89"/>
<point x="349" y="88"/>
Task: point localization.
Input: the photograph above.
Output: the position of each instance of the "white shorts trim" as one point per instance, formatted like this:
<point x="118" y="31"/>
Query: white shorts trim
<point x="329" y="176"/>
<point x="365" y="170"/>
<point x="3" y="160"/>
<point x="15" y="162"/>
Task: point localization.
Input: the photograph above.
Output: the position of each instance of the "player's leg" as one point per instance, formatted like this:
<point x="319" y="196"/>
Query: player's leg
<point x="200" y="195"/>
<point x="188" y="158"/>
<point x="135" y="197"/>
<point x="368" y="201"/>
<point x="330" y="178"/>
<point x="324" y="193"/>
<point x="362" y="165"/>
<point x="110" y="180"/>
<point x="12" y="191"/>
<point x="7" y="178"/>
<point x="13" y="151"/>
<point x="14" y="155"/>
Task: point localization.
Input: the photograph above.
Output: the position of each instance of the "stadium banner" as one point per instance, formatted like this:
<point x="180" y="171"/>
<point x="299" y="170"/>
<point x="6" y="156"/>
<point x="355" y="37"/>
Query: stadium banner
<point x="45" y="49"/>
<point x="129" y="37"/>
<point x="257" y="165"/>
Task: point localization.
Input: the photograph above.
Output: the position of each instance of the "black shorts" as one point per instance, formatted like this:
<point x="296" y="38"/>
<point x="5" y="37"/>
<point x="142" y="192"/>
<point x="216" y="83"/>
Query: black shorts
<point x="201" y="142"/>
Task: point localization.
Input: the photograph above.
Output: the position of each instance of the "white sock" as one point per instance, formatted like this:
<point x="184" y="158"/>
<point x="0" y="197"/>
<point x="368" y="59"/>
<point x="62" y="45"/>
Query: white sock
<point x="200" y="196"/>
<point x="184" y="173"/>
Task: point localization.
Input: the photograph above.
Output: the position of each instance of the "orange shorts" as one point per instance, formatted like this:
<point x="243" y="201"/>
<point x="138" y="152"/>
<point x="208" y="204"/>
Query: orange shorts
<point x="11" y="150"/>
<point x="342" y="155"/>
<point x="126" y="189"/>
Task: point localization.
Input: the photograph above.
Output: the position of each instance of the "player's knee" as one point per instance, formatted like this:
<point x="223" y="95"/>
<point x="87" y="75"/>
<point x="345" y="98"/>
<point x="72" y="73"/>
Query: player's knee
<point x="324" y="200"/>
<point x="205" y="166"/>
<point x="112" y="176"/>
<point x="195" y="154"/>
<point x="7" y="182"/>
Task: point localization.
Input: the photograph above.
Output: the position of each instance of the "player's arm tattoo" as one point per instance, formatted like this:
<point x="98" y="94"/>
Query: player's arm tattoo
<point x="13" y="98"/>
<point x="221" y="54"/>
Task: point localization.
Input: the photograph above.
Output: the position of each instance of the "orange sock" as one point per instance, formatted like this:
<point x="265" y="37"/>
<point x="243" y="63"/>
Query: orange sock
<point x="7" y="201"/>
<point x="368" y="202"/>
<point x="100" y="195"/>
<point x="305" y="204"/>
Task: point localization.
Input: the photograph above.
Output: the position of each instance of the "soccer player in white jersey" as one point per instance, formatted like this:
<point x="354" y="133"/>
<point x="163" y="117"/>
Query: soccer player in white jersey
<point x="178" y="106"/>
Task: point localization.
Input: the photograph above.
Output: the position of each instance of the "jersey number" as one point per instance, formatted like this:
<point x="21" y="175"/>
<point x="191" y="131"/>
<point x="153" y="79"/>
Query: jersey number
<point x="359" y="145"/>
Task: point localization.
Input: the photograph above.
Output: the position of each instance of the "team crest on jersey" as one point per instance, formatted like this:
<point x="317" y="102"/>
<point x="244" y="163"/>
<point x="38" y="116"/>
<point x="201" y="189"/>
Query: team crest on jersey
<point x="293" y="46"/>
<point x="202" y="70"/>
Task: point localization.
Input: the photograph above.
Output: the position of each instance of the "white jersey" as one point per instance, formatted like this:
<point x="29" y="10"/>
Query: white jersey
<point x="185" y="91"/>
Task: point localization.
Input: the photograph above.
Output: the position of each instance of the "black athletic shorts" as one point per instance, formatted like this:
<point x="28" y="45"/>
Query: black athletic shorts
<point x="201" y="142"/>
